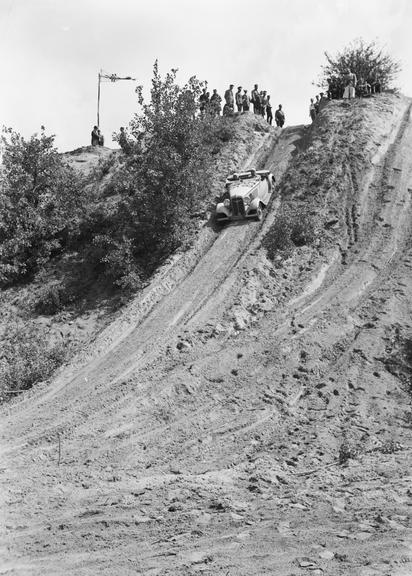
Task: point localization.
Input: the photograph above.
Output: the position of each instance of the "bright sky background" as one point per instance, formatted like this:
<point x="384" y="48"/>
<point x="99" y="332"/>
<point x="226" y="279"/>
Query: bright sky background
<point x="51" y="52"/>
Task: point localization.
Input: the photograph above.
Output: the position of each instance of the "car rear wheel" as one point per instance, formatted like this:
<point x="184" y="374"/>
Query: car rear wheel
<point x="259" y="212"/>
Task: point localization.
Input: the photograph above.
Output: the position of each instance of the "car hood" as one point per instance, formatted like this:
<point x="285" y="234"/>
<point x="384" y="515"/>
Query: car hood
<point x="242" y="190"/>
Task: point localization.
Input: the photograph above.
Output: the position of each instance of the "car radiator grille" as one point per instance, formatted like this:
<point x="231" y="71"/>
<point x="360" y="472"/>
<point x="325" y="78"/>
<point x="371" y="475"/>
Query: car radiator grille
<point x="238" y="207"/>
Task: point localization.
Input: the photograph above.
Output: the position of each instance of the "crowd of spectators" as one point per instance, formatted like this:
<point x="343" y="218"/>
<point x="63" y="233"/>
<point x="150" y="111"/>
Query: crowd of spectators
<point x="240" y="102"/>
<point x="346" y="87"/>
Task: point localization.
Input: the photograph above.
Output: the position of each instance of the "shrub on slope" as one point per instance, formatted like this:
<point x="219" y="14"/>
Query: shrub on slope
<point x="40" y="204"/>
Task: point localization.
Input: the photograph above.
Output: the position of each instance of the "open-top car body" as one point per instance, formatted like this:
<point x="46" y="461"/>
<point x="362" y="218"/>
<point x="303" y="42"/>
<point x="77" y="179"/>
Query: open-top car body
<point x="246" y="194"/>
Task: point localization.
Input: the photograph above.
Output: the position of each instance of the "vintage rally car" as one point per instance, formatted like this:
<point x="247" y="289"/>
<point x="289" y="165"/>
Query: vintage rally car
<point x="246" y="194"/>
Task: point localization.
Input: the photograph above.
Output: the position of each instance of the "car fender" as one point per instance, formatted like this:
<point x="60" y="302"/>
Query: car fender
<point x="222" y="209"/>
<point x="254" y="204"/>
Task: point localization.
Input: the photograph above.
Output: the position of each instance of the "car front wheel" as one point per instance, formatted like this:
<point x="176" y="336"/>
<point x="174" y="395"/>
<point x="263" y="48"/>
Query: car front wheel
<point x="259" y="213"/>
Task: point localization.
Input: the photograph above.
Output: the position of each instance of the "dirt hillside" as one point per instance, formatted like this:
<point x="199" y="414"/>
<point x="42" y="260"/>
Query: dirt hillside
<point x="243" y="416"/>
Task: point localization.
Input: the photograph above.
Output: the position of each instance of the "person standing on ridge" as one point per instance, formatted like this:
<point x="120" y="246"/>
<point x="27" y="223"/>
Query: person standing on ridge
<point x="263" y="103"/>
<point x="312" y="110"/>
<point x="255" y="99"/>
<point x="245" y="101"/>
<point x="123" y="142"/>
<point x="238" y="99"/>
<point x="269" y="115"/>
<point x="317" y="104"/>
<point x="215" y="103"/>
<point x="322" y="102"/>
<point x="350" y="82"/>
<point x="229" y="99"/>
<point x="279" y="116"/>
<point x="203" y="101"/>
<point x="95" y="136"/>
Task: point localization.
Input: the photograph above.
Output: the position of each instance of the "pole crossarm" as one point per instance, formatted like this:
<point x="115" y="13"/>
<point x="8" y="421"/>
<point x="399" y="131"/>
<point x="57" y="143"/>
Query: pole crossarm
<point x="114" y="77"/>
<point x="104" y="76"/>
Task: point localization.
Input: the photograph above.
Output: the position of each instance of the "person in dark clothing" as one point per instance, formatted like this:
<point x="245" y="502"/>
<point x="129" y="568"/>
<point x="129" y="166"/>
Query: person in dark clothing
<point x="215" y="103"/>
<point x="239" y="99"/>
<point x="279" y="116"/>
<point x="312" y="110"/>
<point x="322" y="102"/>
<point x="255" y="99"/>
<point x="375" y="84"/>
<point x="229" y="98"/>
<point x="317" y="104"/>
<point x="203" y="101"/>
<point x="229" y="107"/>
<point x="245" y="101"/>
<point x="101" y="138"/>
<point x="269" y="115"/>
<point x="95" y="136"/>
<point x="363" y="88"/>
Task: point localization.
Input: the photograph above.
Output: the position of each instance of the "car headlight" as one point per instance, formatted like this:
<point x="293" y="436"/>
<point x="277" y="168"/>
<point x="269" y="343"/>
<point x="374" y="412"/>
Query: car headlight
<point x="246" y="201"/>
<point x="226" y="203"/>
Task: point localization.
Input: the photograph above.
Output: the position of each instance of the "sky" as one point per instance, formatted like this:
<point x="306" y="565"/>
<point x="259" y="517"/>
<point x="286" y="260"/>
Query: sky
<point x="51" y="52"/>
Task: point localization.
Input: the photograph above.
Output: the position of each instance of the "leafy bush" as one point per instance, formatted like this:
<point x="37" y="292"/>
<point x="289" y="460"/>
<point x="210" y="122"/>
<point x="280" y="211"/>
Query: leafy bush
<point x="40" y="204"/>
<point x="27" y="357"/>
<point x="50" y="298"/>
<point x="293" y="227"/>
<point x="366" y="60"/>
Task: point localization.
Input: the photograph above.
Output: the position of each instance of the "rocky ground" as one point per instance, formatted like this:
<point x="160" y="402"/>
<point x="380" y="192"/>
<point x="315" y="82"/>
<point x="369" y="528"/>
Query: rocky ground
<point x="242" y="416"/>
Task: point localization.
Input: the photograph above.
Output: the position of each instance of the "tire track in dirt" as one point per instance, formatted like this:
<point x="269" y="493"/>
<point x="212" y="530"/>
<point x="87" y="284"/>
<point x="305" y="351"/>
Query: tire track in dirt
<point x="387" y="210"/>
<point x="221" y="431"/>
<point x="159" y="327"/>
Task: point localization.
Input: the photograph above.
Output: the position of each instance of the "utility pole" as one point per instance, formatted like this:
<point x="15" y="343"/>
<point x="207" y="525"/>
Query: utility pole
<point x="104" y="77"/>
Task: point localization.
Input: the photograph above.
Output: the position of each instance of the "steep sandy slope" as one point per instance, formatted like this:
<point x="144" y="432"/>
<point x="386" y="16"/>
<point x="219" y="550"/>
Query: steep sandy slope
<point x="239" y="419"/>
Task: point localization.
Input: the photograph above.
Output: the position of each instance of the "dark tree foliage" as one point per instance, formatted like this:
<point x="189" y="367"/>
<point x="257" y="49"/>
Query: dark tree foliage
<point x="366" y="59"/>
<point x="40" y="199"/>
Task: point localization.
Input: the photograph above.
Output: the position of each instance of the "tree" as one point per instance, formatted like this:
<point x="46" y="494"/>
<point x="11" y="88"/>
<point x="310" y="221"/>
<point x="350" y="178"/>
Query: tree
<point x="164" y="176"/>
<point x="366" y="60"/>
<point x="39" y="203"/>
